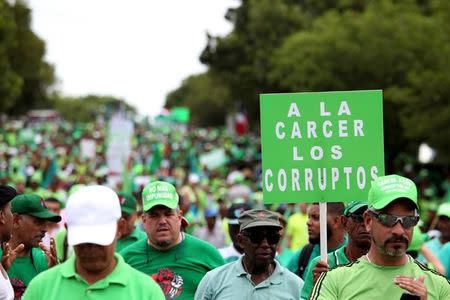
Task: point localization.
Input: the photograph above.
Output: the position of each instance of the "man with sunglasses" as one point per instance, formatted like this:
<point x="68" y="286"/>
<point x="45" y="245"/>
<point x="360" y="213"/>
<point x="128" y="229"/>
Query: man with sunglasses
<point x="256" y="274"/>
<point x="358" y="244"/>
<point x="386" y="271"/>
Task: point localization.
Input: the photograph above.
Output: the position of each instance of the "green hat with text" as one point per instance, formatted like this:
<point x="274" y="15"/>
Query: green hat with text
<point x="386" y="189"/>
<point x="33" y="205"/>
<point x="159" y="193"/>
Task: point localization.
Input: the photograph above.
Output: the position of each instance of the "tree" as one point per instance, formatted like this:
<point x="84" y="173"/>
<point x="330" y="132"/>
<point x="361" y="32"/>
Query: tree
<point x="391" y="47"/>
<point x="26" y="77"/>
<point x="206" y="96"/>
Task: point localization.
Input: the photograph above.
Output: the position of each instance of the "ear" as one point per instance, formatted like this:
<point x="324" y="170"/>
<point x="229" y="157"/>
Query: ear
<point x="239" y="240"/>
<point x="121" y="224"/>
<point x="344" y="220"/>
<point x="367" y="221"/>
<point x="144" y="218"/>
<point x="16" y="220"/>
<point x="2" y="217"/>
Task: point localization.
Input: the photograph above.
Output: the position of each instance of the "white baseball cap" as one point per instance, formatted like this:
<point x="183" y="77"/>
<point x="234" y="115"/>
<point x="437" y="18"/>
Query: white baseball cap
<point x="92" y="214"/>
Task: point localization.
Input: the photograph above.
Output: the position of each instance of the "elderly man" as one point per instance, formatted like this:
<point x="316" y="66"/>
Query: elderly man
<point x="129" y="232"/>
<point x="30" y="218"/>
<point x="177" y="261"/>
<point x="386" y="271"/>
<point x="255" y="275"/>
<point x="95" y="271"/>
<point x="358" y="244"/>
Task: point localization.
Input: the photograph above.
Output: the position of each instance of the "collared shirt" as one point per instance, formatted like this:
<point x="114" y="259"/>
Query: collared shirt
<point x="63" y="282"/>
<point x="136" y="235"/>
<point x="335" y="258"/>
<point x="231" y="281"/>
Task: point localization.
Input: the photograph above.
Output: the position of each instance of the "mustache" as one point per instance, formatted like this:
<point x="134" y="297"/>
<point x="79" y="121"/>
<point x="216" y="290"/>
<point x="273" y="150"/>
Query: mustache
<point x="397" y="239"/>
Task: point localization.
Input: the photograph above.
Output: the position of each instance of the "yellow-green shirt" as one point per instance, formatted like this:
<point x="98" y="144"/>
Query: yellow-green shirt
<point x="365" y="280"/>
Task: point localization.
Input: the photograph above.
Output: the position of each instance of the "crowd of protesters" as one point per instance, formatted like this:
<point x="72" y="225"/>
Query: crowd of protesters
<point x="191" y="216"/>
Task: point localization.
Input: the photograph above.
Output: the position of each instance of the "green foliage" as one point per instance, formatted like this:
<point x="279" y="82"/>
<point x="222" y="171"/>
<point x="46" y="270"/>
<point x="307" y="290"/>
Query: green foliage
<point x="389" y="47"/>
<point x="87" y="108"/>
<point x="206" y="97"/>
<point x="26" y="76"/>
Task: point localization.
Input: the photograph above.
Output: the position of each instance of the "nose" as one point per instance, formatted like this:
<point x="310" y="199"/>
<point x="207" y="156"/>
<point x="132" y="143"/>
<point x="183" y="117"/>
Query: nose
<point x="398" y="229"/>
<point x="264" y="243"/>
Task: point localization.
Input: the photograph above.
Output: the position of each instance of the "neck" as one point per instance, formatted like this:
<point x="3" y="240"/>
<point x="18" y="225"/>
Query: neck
<point x="353" y="252"/>
<point x="162" y="248"/>
<point x="92" y="277"/>
<point x="258" y="274"/>
<point x="336" y="240"/>
<point x="375" y="257"/>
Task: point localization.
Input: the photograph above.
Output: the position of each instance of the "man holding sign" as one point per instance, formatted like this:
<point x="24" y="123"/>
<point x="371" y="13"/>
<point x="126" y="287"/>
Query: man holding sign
<point x="386" y="269"/>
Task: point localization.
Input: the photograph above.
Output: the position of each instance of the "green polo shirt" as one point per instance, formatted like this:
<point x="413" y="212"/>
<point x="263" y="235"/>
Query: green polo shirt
<point x="293" y="263"/>
<point x="231" y="281"/>
<point x="178" y="270"/>
<point x="63" y="282"/>
<point x="136" y="235"/>
<point x="364" y="280"/>
<point x="335" y="258"/>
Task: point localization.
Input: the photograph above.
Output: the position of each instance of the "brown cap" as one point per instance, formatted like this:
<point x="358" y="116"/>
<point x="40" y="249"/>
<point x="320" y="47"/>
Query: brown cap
<point x="258" y="218"/>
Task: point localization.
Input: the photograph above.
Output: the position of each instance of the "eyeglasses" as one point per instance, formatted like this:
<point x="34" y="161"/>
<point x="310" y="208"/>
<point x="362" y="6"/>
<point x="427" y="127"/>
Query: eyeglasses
<point x="357" y="218"/>
<point x="390" y="220"/>
<point x="256" y="237"/>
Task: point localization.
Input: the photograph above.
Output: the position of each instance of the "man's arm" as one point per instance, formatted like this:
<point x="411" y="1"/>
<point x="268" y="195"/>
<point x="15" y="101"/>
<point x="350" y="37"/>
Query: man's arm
<point x="203" y="291"/>
<point x="324" y="289"/>
<point x="311" y="275"/>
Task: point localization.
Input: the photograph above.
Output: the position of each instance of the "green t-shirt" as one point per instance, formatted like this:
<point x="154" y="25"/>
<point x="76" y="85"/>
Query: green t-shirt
<point x="293" y="263"/>
<point x="136" y="235"/>
<point x="335" y="258"/>
<point x="178" y="270"/>
<point x="25" y="268"/>
<point x="364" y="280"/>
<point x="62" y="282"/>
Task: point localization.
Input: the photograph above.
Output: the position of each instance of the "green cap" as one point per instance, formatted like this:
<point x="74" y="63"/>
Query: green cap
<point x="33" y="205"/>
<point x="257" y="218"/>
<point x="159" y="193"/>
<point x="354" y="206"/>
<point x="127" y="203"/>
<point x="386" y="189"/>
<point x="444" y="210"/>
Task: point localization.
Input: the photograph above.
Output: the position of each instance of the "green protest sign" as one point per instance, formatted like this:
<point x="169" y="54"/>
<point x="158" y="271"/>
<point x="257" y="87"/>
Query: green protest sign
<point x="321" y="147"/>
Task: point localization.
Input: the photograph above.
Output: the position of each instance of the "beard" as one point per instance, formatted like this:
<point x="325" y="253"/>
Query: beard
<point x="394" y="252"/>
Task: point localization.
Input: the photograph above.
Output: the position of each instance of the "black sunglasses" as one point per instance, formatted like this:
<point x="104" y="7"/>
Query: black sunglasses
<point x="357" y="218"/>
<point x="390" y="220"/>
<point x="256" y="237"/>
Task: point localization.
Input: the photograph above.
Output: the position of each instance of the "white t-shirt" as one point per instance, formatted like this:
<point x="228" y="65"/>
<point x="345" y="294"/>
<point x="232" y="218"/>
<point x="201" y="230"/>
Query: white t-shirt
<point x="6" y="289"/>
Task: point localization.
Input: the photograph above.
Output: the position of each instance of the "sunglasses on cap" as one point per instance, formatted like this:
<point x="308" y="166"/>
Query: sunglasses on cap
<point x="358" y="218"/>
<point x="256" y="237"/>
<point x="390" y="220"/>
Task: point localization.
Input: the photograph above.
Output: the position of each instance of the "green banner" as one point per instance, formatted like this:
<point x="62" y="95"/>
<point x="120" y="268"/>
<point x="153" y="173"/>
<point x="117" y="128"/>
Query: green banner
<point x="321" y="147"/>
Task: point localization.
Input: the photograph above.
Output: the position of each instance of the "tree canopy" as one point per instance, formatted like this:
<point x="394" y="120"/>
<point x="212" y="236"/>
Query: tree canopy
<point x="399" y="46"/>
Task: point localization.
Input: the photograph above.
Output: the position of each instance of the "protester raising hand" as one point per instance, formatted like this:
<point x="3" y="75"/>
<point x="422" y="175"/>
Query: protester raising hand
<point x="9" y="255"/>
<point x="50" y="253"/>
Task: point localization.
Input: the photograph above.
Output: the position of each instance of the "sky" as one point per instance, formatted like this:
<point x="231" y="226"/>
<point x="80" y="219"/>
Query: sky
<point x="137" y="50"/>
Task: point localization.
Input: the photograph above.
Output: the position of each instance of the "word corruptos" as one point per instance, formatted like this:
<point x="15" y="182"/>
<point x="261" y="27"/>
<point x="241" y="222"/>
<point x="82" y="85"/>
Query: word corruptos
<point x="322" y="179"/>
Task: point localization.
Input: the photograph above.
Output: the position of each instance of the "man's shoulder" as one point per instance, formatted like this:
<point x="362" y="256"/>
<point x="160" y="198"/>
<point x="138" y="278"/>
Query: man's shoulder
<point x="432" y="274"/>
<point x="135" y="247"/>
<point x="288" y="276"/>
